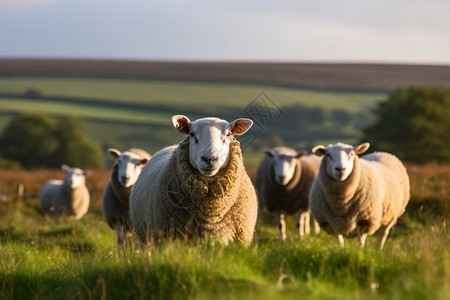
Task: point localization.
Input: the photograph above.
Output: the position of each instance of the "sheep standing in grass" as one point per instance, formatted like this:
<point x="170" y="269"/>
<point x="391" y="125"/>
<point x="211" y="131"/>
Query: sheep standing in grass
<point x="116" y="196"/>
<point x="283" y="181"/>
<point x="359" y="195"/>
<point x="198" y="188"/>
<point x="66" y="198"/>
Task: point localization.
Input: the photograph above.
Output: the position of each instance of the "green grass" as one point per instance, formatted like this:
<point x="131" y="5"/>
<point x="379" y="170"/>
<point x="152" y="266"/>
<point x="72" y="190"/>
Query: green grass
<point x="84" y="110"/>
<point x="209" y="96"/>
<point x="43" y="259"/>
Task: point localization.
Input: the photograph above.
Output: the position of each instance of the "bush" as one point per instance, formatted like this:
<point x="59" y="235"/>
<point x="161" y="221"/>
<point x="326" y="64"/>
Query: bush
<point x="36" y="141"/>
<point x="414" y="124"/>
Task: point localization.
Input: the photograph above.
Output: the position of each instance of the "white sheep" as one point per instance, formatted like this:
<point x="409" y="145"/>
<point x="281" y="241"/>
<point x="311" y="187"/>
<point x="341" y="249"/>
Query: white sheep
<point x="198" y="188"/>
<point x="116" y="195"/>
<point x="66" y="198"/>
<point x="283" y="181"/>
<point x="359" y="195"/>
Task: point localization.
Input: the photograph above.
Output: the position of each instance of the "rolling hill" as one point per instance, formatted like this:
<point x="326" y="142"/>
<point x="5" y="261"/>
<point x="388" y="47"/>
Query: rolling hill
<point x="129" y="103"/>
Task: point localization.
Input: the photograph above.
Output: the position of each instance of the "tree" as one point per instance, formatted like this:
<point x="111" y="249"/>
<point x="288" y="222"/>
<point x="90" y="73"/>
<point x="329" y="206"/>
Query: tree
<point x="28" y="140"/>
<point x="36" y="141"/>
<point x="413" y="123"/>
<point x="74" y="148"/>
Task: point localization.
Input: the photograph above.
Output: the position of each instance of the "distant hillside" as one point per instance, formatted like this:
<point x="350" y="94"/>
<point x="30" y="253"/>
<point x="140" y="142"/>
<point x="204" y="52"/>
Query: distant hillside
<point x="326" y="76"/>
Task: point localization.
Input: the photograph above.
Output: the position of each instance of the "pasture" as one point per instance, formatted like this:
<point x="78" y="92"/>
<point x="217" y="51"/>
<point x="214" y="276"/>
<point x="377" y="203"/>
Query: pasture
<point x="136" y="113"/>
<point x="45" y="259"/>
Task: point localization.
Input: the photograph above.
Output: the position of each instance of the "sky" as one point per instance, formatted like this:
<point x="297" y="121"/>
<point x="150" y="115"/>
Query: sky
<point x="378" y="31"/>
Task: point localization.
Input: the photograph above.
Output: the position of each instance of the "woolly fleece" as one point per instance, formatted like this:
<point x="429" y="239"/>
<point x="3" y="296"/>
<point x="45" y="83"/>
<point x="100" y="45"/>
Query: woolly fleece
<point x="170" y="199"/>
<point x="116" y="198"/>
<point x="293" y="197"/>
<point x="375" y="194"/>
<point x="57" y="199"/>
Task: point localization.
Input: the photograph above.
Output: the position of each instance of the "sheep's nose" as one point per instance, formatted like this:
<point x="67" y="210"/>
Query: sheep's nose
<point x="281" y="178"/>
<point x="209" y="160"/>
<point x="340" y="169"/>
<point x="125" y="178"/>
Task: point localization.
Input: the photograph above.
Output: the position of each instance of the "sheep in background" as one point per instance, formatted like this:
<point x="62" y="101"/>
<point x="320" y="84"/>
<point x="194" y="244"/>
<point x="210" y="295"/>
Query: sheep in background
<point x="116" y="196"/>
<point x="283" y="181"/>
<point x="359" y="195"/>
<point x="198" y="188"/>
<point x="66" y="198"/>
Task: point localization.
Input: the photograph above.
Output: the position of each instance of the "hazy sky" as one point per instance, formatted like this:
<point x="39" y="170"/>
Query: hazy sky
<point x="411" y="31"/>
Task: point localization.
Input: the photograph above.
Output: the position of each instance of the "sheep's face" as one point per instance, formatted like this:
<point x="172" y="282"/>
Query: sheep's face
<point x="283" y="165"/>
<point x="209" y="144"/>
<point x="75" y="177"/>
<point x="129" y="166"/>
<point x="340" y="158"/>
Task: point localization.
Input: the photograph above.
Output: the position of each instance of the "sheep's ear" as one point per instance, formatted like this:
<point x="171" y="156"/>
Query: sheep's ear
<point x="114" y="153"/>
<point x="181" y="124"/>
<point x="268" y="151"/>
<point x="361" y="148"/>
<point x="65" y="168"/>
<point x="240" y="126"/>
<point x="319" y="150"/>
<point x="300" y="154"/>
<point x="143" y="161"/>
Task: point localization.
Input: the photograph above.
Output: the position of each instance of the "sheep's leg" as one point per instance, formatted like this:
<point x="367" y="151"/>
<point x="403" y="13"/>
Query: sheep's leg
<point x="362" y="236"/>
<point x="316" y="226"/>
<point x="282" y="225"/>
<point x="384" y="231"/>
<point x="361" y="230"/>
<point x="340" y="239"/>
<point x="301" y="225"/>
<point x="121" y="235"/>
<point x="307" y="222"/>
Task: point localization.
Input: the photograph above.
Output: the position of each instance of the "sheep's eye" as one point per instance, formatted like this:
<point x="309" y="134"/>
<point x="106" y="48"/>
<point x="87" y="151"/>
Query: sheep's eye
<point x="229" y="133"/>
<point x="329" y="156"/>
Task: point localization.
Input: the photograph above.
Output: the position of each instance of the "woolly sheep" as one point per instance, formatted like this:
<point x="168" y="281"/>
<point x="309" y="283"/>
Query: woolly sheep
<point x="359" y="195"/>
<point x="198" y="188"/>
<point x="66" y="198"/>
<point x="116" y="196"/>
<point x="283" y="181"/>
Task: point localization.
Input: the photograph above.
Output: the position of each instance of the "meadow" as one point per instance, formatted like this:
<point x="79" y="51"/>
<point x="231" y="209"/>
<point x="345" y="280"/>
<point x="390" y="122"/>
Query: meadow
<point x="47" y="259"/>
<point x="129" y="104"/>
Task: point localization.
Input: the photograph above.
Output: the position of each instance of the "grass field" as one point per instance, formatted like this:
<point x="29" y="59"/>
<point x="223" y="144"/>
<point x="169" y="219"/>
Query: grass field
<point x="179" y="94"/>
<point x="44" y="259"/>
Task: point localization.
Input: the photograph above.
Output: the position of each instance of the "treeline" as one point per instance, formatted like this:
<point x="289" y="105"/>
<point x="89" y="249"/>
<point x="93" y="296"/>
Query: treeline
<point x="302" y="117"/>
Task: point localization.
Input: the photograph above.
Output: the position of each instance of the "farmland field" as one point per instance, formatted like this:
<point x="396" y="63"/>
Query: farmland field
<point x="42" y="258"/>
<point x="125" y="113"/>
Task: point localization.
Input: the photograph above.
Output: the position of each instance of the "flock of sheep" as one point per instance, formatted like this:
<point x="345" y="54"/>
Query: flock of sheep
<point x="199" y="189"/>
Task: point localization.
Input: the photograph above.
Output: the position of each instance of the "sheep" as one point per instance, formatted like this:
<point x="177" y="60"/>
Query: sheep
<point x="116" y="195"/>
<point x="198" y="189"/>
<point x="68" y="198"/>
<point x="358" y="195"/>
<point x="283" y="181"/>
